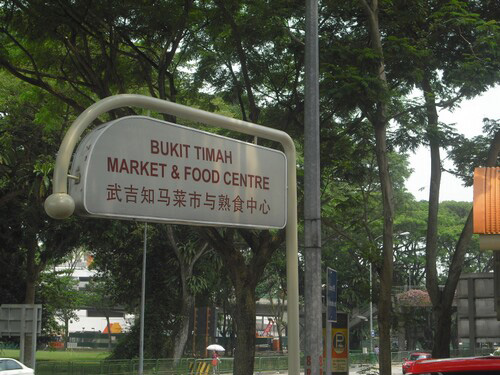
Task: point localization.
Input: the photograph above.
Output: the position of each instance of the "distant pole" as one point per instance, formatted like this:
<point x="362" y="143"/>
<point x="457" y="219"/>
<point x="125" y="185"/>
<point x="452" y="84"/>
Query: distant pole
<point x="143" y="301"/>
<point x="312" y="204"/>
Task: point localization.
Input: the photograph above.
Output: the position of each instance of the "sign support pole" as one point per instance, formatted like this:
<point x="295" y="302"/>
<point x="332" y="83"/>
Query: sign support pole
<point x="143" y="301"/>
<point x="60" y="205"/>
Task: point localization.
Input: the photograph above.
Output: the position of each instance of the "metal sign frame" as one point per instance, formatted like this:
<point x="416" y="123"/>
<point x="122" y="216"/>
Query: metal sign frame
<point x="60" y="205"/>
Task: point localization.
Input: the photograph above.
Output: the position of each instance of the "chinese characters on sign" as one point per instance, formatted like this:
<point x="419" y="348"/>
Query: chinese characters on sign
<point x="139" y="167"/>
<point x="180" y="198"/>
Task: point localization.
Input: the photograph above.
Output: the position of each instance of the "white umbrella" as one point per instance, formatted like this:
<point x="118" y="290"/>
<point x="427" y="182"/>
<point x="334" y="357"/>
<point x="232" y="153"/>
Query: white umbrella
<point x="215" y="347"/>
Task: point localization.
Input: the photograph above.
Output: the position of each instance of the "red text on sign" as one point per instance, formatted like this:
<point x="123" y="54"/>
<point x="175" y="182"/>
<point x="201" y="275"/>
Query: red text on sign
<point x="179" y="150"/>
<point x="140" y="168"/>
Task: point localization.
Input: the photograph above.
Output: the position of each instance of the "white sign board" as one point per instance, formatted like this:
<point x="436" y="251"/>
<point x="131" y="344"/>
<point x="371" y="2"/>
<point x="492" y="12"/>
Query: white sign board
<point x="147" y="169"/>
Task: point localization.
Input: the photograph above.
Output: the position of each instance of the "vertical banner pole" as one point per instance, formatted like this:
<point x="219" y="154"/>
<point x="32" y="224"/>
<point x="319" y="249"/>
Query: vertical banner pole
<point x="143" y="301"/>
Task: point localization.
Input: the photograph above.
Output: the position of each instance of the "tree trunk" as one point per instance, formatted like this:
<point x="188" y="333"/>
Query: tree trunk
<point x="442" y="299"/>
<point x="183" y="333"/>
<point x="186" y="265"/>
<point x="378" y="118"/>
<point x="442" y="332"/>
<point x="66" y="333"/>
<point x="109" y="331"/>
<point x="245" y="274"/>
<point x="440" y="348"/>
<point x="245" y="329"/>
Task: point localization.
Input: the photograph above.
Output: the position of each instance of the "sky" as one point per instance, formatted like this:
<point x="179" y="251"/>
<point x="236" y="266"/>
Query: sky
<point x="469" y="121"/>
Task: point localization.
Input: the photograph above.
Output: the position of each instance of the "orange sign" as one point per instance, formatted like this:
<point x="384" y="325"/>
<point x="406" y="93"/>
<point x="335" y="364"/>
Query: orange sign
<point x="340" y="350"/>
<point x="340" y="345"/>
<point x="487" y="200"/>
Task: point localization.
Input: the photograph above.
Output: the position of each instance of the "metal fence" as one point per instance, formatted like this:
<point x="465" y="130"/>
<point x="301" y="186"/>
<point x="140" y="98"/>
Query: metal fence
<point x="156" y="366"/>
<point x="191" y="366"/>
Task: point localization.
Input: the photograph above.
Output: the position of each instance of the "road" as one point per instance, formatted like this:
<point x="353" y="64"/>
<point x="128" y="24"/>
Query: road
<point x="353" y="370"/>
<point x="356" y="370"/>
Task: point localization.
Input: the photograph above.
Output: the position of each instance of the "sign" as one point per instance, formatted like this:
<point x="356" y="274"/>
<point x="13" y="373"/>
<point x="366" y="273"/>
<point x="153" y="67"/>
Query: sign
<point x="340" y="347"/>
<point x="339" y="352"/>
<point x="142" y="168"/>
<point x="17" y="320"/>
<point x="331" y="295"/>
<point x="486" y="203"/>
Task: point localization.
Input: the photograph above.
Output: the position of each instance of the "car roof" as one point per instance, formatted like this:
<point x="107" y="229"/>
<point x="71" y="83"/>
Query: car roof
<point x="456" y="364"/>
<point x="419" y="353"/>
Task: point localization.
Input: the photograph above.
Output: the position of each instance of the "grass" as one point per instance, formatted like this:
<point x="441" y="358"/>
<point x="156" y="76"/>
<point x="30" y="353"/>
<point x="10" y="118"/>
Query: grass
<point x="59" y="355"/>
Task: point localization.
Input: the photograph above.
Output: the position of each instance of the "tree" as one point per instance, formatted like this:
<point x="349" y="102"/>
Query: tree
<point x="91" y="48"/>
<point x="101" y="42"/>
<point x="97" y="296"/>
<point x="247" y="63"/>
<point x="97" y="49"/>
<point x="274" y="288"/>
<point x="117" y="249"/>
<point x="60" y="292"/>
<point x="187" y="253"/>
<point x="454" y="48"/>
<point x="434" y="46"/>
<point x="376" y="111"/>
<point x="29" y="139"/>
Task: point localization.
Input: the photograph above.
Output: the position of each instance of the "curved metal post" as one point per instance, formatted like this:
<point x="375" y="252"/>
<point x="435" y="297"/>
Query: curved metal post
<point x="60" y="205"/>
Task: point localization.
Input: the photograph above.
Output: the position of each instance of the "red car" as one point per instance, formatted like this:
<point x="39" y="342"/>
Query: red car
<point x="462" y="366"/>
<point x="408" y="362"/>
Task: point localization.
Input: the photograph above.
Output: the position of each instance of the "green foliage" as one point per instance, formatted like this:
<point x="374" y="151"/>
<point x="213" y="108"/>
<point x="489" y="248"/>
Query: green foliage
<point x="245" y="60"/>
<point x="29" y="240"/>
<point x="468" y="154"/>
<point x="61" y="298"/>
